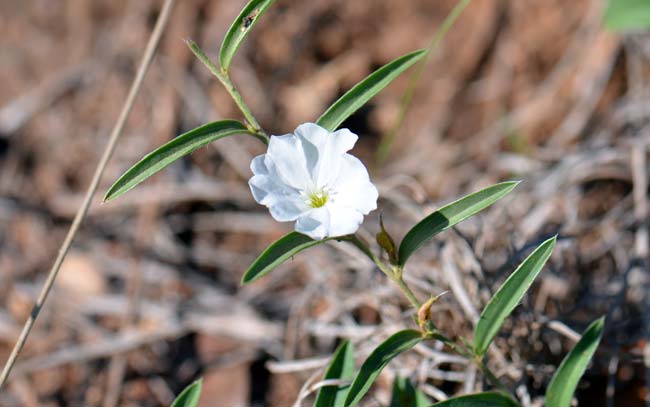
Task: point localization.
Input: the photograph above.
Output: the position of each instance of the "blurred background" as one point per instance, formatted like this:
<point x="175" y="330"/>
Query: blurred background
<point x="149" y="297"/>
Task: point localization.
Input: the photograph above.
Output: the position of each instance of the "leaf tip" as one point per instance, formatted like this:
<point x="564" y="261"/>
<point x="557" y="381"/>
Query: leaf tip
<point x="511" y="184"/>
<point x="246" y="278"/>
<point x="416" y="55"/>
<point x="548" y="243"/>
<point x="600" y="322"/>
<point x="110" y="194"/>
<point x="115" y="190"/>
<point x="253" y="274"/>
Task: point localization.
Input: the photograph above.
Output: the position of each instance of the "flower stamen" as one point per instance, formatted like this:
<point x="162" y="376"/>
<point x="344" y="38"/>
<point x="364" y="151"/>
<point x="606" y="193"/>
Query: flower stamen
<point x="318" y="199"/>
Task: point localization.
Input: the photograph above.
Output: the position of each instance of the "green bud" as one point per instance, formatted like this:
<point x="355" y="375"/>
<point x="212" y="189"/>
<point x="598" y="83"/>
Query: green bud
<point x="386" y="242"/>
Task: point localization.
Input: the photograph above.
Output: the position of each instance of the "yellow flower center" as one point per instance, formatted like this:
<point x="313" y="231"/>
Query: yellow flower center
<point x="318" y="199"/>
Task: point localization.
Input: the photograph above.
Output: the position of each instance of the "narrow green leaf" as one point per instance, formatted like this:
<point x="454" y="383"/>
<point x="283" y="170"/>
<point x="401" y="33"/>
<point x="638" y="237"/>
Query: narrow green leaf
<point x="509" y="295"/>
<point x="190" y="396"/>
<point x="341" y="367"/>
<point x="405" y="395"/>
<point x="239" y="29"/>
<point x="627" y="15"/>
<point x="565" y="380"/>
<point x="449" y="215"/>
<point x="378" y="359"/>
<point x="274" y="255"/>
<point x="365" y="90"/>
<point x="172" y="151"/>
<point x="480" y="399"/>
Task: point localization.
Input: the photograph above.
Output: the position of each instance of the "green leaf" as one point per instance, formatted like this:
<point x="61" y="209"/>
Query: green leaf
<point x="190" y="396"/>
<point x="509" y="295"/>
<point x="449" y="215"/>
<point x="479" y="399"/>
<point x="405" y="395"/>
<point x="276" y="254"/>
<point x="365" y="90"/>
<point x="626" y="15"/>
<point x="378" y="359"/>
<point x="565" y="380"/>
<point x="172" y="151"/>
<point x="239" y="29"/>
<point x="341" y="367"/>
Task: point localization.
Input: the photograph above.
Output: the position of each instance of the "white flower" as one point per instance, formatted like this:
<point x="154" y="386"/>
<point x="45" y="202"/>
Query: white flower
<point x="308" y="177"/>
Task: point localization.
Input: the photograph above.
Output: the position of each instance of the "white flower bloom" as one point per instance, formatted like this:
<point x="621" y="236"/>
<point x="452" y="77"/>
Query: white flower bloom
<point x="308" y="177"/>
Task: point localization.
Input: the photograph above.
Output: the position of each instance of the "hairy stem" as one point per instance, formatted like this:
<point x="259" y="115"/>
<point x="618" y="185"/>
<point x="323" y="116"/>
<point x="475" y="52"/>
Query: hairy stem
<point x="224" y="78"/>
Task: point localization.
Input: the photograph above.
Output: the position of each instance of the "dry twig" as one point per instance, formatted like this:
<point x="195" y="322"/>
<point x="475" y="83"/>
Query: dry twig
<point x="110" y="147"/>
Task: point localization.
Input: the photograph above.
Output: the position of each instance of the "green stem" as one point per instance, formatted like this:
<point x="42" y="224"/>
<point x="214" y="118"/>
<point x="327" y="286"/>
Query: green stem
<point x="490" y="376"/>
<point x="406" y="289"/>
<point x="459" y="349"/>
<point x="224" y="78"/>
<point x="394" y="273"/>
<point x="363" y="247"/>
<point x="463" y="351"/>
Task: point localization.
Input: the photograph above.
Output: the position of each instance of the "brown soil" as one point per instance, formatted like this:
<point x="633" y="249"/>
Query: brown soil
<point x="149" y="297"/>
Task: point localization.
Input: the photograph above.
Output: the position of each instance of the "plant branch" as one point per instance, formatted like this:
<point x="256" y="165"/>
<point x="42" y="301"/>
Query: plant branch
<point x="490" y="376"/>
<point x="395" y="273"/>
<point x="363" y="247"/>
<point x="224" y="78"/>
<point x="92" y="188"/>
<point x="465" y="351"/>
<point x="392" y="272"/>
<point x="399" y="280"/>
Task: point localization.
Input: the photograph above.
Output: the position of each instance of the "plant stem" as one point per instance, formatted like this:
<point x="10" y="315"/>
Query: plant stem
<point x="394" y="273"/>
<point x="363" y="247"/>
<point x="490" y="376"/>
<point x="239" y="101"/>
<point x="224" y="78"/>
<point x="407" y="290"/>
<point x="114" y="137"/>
<point x="463" y="351"/>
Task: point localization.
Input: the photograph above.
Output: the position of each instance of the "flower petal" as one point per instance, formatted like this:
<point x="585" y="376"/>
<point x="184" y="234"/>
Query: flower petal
<point x="285" y="159"/>
<point x="285" y="211"/>
<point x="353" y="188"/>
<point x="284" y="203"/>
<point x="258" y="167"/>
<point x="314" y="223"/>
<point x="324" y="151"/>
<point x="314" y="161"/>
<point x="343" y="220"/>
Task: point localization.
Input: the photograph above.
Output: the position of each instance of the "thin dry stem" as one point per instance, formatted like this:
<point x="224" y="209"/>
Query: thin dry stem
<point x="92" y="188"/>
